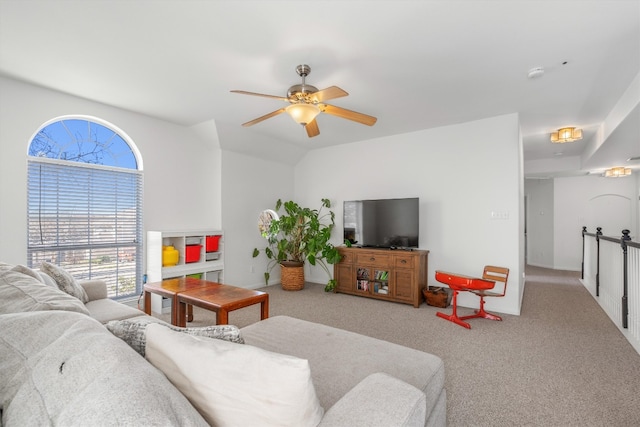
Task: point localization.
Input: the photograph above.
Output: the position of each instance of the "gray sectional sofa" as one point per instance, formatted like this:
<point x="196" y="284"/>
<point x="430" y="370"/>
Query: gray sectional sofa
<point x="60" y="365"/>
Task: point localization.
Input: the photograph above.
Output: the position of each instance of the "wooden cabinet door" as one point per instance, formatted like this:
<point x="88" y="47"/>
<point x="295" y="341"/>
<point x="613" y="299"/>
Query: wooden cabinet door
<point x="403" y="284"/>
<point x="345" y="279"/>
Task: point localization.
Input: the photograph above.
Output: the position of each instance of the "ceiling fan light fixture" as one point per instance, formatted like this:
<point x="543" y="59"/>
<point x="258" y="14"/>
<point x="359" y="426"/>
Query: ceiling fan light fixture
<point x="617" y="172"/>
<point x="303" y="113"/>
<point x="569" y="134"/>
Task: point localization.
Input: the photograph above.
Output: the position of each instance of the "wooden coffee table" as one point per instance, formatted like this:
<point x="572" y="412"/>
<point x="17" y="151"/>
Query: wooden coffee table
<point x="222" y="299"/>
<point x="169" y="288"/>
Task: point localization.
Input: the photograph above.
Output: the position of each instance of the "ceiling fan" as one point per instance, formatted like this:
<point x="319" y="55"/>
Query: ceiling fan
<point x="306" y="102"/>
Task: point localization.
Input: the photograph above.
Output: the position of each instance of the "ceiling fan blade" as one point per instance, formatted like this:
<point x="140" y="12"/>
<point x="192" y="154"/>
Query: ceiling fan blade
<point x="244" y="92"/>
<point x="348" y="114"/>
<point x="312" y="128"/>
<point x="332" y="92"/>
<point x="265" y="117"/>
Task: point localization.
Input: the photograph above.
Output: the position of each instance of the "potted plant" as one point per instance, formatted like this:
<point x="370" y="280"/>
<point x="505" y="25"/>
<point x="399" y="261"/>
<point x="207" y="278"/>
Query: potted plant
<point x="297" y="236"/>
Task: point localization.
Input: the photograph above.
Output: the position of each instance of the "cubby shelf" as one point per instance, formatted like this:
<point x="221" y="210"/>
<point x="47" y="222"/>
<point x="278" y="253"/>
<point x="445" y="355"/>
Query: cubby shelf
<point x="209" y="265"/>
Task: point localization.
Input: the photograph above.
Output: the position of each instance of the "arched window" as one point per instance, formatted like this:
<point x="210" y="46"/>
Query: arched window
<point x="85" y="202"/>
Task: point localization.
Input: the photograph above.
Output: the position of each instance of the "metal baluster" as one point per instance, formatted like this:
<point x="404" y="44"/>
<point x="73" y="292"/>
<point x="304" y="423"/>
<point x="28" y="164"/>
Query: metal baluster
<point x="598" y="234"/>
<point x="625" y="304"/>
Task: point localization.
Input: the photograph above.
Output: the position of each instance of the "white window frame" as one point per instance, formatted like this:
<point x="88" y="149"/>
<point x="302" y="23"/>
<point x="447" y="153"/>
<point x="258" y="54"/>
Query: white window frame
<point x="73" y="219"/>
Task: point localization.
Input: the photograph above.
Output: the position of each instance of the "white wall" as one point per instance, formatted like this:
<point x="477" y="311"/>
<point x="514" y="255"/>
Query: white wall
<point x="250" y="185"/>
<point x="568" y="204"/>
<point x="461" y="174"/>
<point x="540" y="222"/>
<point x="181" y="176"/>
<point x="578" y="202"/>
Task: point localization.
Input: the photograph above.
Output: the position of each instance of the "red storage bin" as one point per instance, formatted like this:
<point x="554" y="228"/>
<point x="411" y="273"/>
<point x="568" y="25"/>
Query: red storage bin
<point x="192" y="253"/>
<point x="212" y="243"/>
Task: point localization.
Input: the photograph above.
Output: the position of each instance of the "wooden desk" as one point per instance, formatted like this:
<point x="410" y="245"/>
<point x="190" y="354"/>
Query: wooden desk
<point x="222" y="299"/>
<point x="462" y="283"/>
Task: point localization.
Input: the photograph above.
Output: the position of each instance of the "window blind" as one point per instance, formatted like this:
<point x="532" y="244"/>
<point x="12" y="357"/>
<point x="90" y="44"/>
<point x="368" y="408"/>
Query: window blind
<point x="87" y="218"/>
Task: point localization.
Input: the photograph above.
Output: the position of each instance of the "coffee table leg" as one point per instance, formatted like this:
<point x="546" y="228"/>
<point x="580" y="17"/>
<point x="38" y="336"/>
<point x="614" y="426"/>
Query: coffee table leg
<point x="264" y="309"/>
<point x="222" y="317"/>
<point x="189" y="313"/>
<point x="181" y="314"/>
<point x="147" y="302"/>
<point x="174" y="311"/>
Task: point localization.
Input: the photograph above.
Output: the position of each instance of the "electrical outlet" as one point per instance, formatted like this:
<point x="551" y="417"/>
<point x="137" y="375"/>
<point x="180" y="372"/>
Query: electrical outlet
<point x="252" y="269"/>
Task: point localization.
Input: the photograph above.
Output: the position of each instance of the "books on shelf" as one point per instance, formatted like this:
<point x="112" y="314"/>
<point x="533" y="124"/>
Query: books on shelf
<point x="363" y="285"/>
<point x="382" y="275"/>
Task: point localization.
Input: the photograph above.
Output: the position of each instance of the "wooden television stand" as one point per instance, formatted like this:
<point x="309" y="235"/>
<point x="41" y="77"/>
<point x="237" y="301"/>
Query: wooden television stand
<point x="391" y="275"/>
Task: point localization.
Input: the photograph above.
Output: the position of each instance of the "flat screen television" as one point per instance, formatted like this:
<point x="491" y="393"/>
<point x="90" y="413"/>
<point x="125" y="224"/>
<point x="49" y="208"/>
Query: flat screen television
<point x="383" y="223"/>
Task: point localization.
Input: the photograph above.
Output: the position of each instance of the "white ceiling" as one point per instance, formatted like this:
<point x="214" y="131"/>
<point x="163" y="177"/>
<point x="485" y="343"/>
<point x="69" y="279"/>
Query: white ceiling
<point x="413" y="64"/>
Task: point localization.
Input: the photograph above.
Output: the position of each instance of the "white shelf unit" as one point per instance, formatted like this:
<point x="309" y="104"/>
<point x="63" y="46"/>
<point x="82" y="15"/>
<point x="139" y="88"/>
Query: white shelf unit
<point x="208" y="269"/>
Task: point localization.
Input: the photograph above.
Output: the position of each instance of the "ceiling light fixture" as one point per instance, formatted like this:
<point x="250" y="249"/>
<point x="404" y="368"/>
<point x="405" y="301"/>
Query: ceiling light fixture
<point x="617" y="172"/>
<point x="566" y="135"/>
<point x="303" y="113"/>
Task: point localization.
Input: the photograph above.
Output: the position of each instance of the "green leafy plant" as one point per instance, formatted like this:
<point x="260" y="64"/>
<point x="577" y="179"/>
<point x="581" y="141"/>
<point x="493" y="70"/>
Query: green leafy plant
<point x="301" y="235"/>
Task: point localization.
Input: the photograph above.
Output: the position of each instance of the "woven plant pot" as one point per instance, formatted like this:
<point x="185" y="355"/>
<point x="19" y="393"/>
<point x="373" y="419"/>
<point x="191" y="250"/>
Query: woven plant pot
<point x="292" y="275"/>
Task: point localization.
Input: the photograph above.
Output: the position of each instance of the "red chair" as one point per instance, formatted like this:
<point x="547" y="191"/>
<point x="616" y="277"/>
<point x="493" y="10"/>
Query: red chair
<point x="479" y="286"/>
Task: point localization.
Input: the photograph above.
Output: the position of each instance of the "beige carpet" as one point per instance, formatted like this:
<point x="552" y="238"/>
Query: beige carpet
<point x="562" y="362"/>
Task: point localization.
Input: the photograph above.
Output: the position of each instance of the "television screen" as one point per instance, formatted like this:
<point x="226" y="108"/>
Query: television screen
<point x="384" y="223"/>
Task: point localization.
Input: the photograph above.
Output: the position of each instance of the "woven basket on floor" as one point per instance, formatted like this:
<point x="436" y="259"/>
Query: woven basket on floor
<point x="437" y="296"/>
<point x="292" y="277"/>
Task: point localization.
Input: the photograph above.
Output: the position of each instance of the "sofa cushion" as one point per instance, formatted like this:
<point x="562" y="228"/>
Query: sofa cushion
<point x="63" y="368"/>
<point x="133" y="331"/>
<point x="359" y="357"/>
<point x="65" y="281"/>
<point x="404" y="405"/>
<point x="233" y="384"/>
<point x="19" y="293"/>
<point x="96" y="289"/>
<point x="105" y="310"/>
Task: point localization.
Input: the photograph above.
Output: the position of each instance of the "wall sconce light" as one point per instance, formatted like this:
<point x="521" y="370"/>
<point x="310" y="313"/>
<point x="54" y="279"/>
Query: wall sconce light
<point x="617" y="172"/>
<point x="303" y="113"/>
<point x="566" y="135"/>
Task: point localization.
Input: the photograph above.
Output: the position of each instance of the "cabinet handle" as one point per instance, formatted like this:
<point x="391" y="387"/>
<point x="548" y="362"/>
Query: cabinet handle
<point x="372" y="259"/>
<point x="404" y="261"/>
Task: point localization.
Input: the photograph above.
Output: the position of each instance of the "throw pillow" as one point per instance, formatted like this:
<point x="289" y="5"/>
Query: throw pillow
<point x="233" y="384"/>
<point x="20" y="292"/>
<point x="133" y="332"/>
<point x="48" y="280"/>
<point x="29" y="272"/>
<point x="65" y="281"/>
<point x="4" y="266"/>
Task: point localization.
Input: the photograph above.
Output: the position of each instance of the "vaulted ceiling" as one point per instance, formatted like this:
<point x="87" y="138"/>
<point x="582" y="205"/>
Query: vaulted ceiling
<point x="412" y="64"/>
